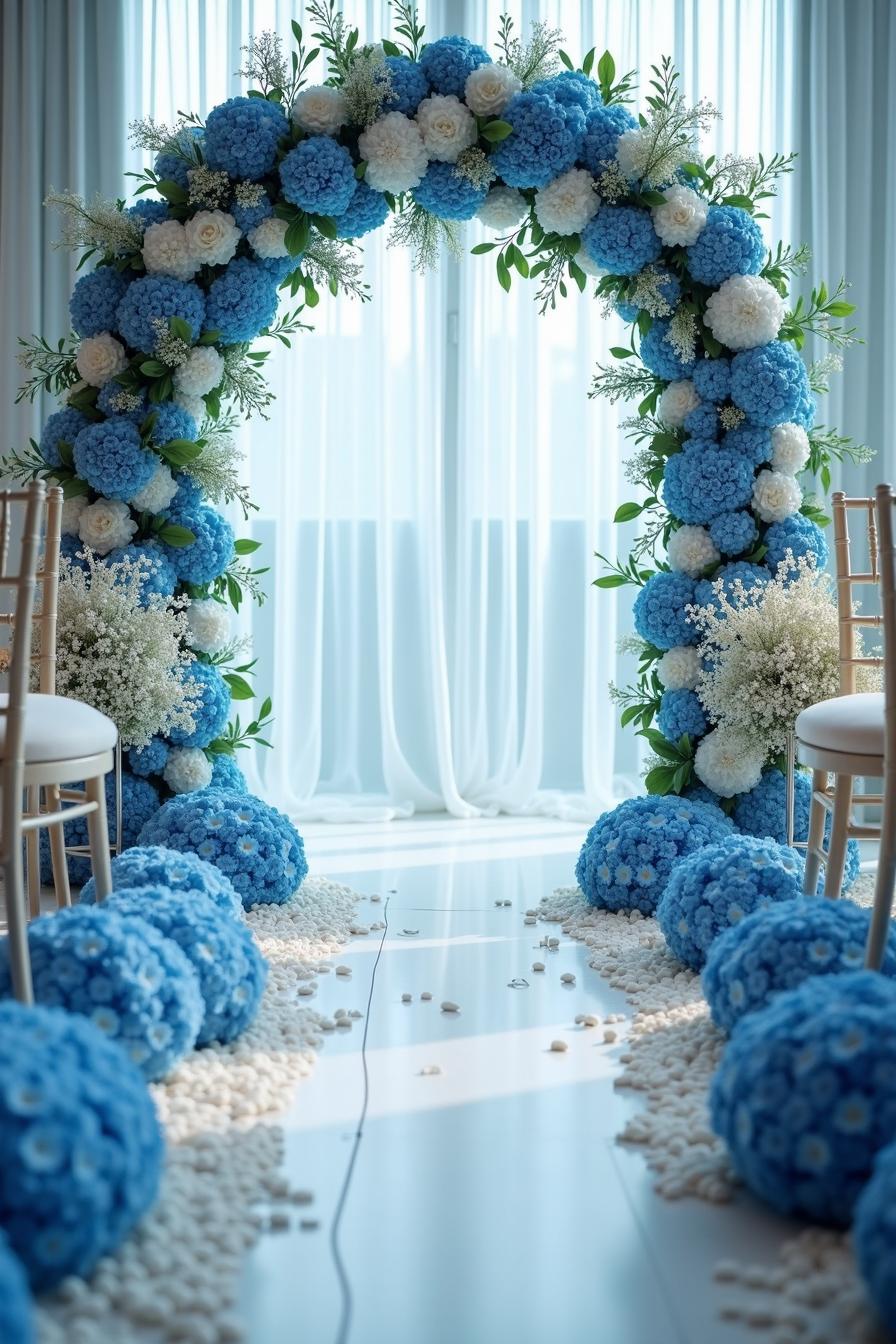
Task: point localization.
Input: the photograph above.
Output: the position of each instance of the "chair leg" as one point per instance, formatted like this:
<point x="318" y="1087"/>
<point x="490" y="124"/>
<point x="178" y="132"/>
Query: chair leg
<point x="57" y="849"/>
<point x="833" y="878"/>
<point x="98" y="831"/>
<point x="32" y="846"/>
<point x="815" y="838"/>
<point x="17" y="924"/>
<point x="886" y="877"/>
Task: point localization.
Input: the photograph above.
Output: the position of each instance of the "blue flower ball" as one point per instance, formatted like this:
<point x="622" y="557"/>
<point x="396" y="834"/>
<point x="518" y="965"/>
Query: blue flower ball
<point x="446" y="193"/>
<point x="705" y="481"/>
<point x="110" y="457"/>
<point x="806" y="407"/>
<point x="629" y="312"/>
<point x="799" y="535"/>
<point x="734" y="533"/>
<point x="148" y="210"/>
<point x="278" y="268"/>
<point x="699" y="793"/>
<point x="319" y="176"/>
<point x="762" y="811"/>
<point x="148" y="760"/>
<point x="160" y="578"/>
<point x="227" y="777"/>
<point x="660" y="610"/>
<point x="129" y="981"/>
<point x="367" y="210"/>
<point x="712" y="379"/>
<point x="81" y="1149"/>
<point x="447" y="62"/>
<point x="702" y="422"/>
<point x="630" y="851"/>
<point x="544" y="142"/>
<point x="805" y="1094"/>
<point x="751" y="576"/>
<point x="656" y="352"/>
<point x="572" y="87"/>
<point x="751" y="441"/>
<point x="210" y="554"/>
<point x="189" y="495"/>
<point x="409" y="85"/>
<point x="171" y="422"/>
<point x="212" y="710"/>
<point x="108" y="400"/>
<point x="242" y="136"/>
<point x="681" y="714"/>
<point x="621" y="239"/>
<point x="16" y="1318"/>
<point x="718" y="886"/>
<point x="873" y="1233"/>
<point x="248" y="217"/>
<point x="242" y="302"/>
<point x="251" y="843"/>
<point x="222" y="952"/>
<point x="61" y="427"/>
<point x="769" y="382"/>
<point x="152" y="867"/>
<point x="95" y="299"/>
<point x="730" y="243"/>
<point x="174" y="167"/>
<point x="780" y="946"/>
<point x="603" y="127"/>
<point x="155" y="297"/>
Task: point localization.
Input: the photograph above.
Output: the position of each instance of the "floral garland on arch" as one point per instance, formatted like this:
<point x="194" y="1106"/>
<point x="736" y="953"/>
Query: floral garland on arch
<point x="268" y="197"/>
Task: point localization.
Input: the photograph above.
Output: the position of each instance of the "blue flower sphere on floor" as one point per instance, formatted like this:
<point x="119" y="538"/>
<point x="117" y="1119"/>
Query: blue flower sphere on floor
<point x="874" y="1236"/>
<point x="154" y="866"/>
<point x="124" y="977"/>
<point x="805" y="1094"/>
<point x="762" y="811"/>
<point x="718" y="886"/>
<point x="16" y="1317"/>
<point x="256" y="846"/>
<point x="629" y="852"/>
<point x="80" y="1145"/>
<point x="777" y="948"/>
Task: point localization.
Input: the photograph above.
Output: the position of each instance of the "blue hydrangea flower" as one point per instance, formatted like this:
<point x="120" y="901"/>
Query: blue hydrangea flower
<point x="222" y="952"/>
<point x="447" y="62"/>
<point x="130" y="982"/>
<point x="139" y="801"/>
<point x="873" y="1233"/>
<point x="110" y="457"/>
<point x="621" y="239"/>
<point x="699" y="793"/>
<point x="730" y="243"/>
<point x="319" y="176"/>
<point x="81" y="1148"/>
<point x="61" y="427"/>
<point x="447" y="193"/>
<point x="278" y="268"/>
<point x="805" y="1094"/>
<point x="750" y="575"/>
<point x="153" y="866"/>
<point x="251" y="843"/>
<point x="409" y="85"/>
<point x="628" y="311"/>
<point x="702" y="422"/>
<point x="174" y="167"/>
<point x="171" y="422"/>
<point x="148" y="210"/>
<point x="95" y="299"/>
<point x="806" y="407"/>
<point x="69" y="547"/>
<point x="107" y="401"/>
<point x="603" y="127"/>
<point x="573" y="87"/>
<point x="242" y="137"/>
<point x="158" y="296"/>
<point x="799" y="535"/>
<point x="705" y="481"/>
<point x="657" y="353"/>
<point x="761" y="811"/>
<point x="209" y="555"/>
<point x="241" y="302"/>
<point x="752" y="441"/>
<point x="148" y="760"/>
<point x="660" y="610"/>
<point x="366" y="211"/>
<point x="718" y="886"/>
<point x="768" y="382"/>
<point x="16" y="1318"/>
<point x="544" y="142"/>
<point x="734" y="533"/>
<point x="189" y="495"/>
<point x="630" y="851"/>
<point x="712" y="379"/>
<point x="161" y="578"/>
<point x="777" y="948"/>
<point x="248" y="217"/>
<point x="211" y="711"/>
<point x="227" y="777"/>
<point x="681" y="713"/>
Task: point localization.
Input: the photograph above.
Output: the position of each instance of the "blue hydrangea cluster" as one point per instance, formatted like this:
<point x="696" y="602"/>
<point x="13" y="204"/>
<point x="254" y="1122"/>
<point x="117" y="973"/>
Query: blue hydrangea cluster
<point x="172" y="167"/>
<point x="154" y="867"/>
<point x="149" y="211"/>
<point x="628" y="311"/>
<point x="149" y="760"/>
<point x="241" y="303"/>
<point x="61" y="427"/>
<point x="715" y="888"/>
<point x="681" y="713"/>
<point x="189" y="495"/>
<point x="777" y="948"/>
<point x="751" y="441"/>
<point x="278" y="268"/>
<point x="210" y="709"/>
<point x="799" y="535"/>
<point x="242" y="136"/>
<point x="69" y="548"/>
<point x="702" y="422"/>
<point x="660" y="613"/>
<point x="318" y="176"/>
<point x="227" y="777"/>
<point x="603" y="127"/>
<point x="210" y="553"/>
<point x="171" y="421"/>
<point x="705" y="481"/>
<point x="571" y="87"/>
<point x="630" y="852"/>
<point x="738" y="571"/>
<point x="159" y="578"/>
<point x="139" y="800"/>
<point x="107" y="398"/>
<point x="657" y="352"/>
<point x="873" y="1235"/>
<point x="409" y="85"/>
<point x="16" y="1317"/>
<point x="544" y="142"/>
<point x="253" y="844"/>
<point x="769" y="382"/>
<point x="366" y="211"/>
<point x="446" y="193"/>
<point x="111" y="458"/>
<point x="730" y="243"/>
<point x="806" y="407"/>
<point x="95" y="299"/>
<point x="762" y="811"/>
<point x="248" y="217"/>
<point x="81" y="1149"/>
<point x="154" y="297"/>
<point x="622" y="239"/>
<point x="734" y="533"/>
<point x="229" y="968"/>
<point x="805" y="1094"/>
<point x="712" y="379"/>
<point x="448" y="62"/>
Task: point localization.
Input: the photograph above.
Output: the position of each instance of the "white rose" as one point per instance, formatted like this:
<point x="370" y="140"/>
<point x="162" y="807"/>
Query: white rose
<point x="320" y="109"/>
<point x="679" y="668"/>
<point x="745" y="311"/>
<point x="776" y="496"/>
<point x="201" y="371"/>
<point x="503" y="207"/>
<point x="728" y="763"/>
<point x="105" y="524"/>
<point x="187" y="769"/>
<point x="677" y="402"/>
<point x="100" y="358"/>
<point x="209" y="625"/>
<point x="691" y="550"/>
<point x="790" y="448"/>
<point x="565" y="205"/>
<point x="71" y="515"/>
<point x="158" y="492"/>
<point x="212" y="237"/>
<point x="166" y="251"/>
<point x="395" y="154"/>
<point x="268" y="239"/>
<point x="447" y="127"/>
<point x="680" y="220"/>
<point x="489" y="88"/>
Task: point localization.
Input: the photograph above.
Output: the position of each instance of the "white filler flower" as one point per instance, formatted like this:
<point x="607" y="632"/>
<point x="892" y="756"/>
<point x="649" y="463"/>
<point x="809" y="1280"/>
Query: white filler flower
<point x="158" y="492"/>
<point x="679" y="668"/>
<point x="268" y="239"/>
<point x="728" y="763"/>
<point x="447" y="127"/>
<point x="320" y="110"/>
<point x="503" y="208"/>
<point x="208" y="624"/>
<point x="691" y="549"/>
<point x="677" y="402"/>
<point x="745" y="311"/>
<point x="776" y="496"/>
<point x="790" y="448"/>
<point x="212" y="237"/>
<point x="100" y="358"/>
<point x="201" y="371"/>
<point x="395" y="154"/>
<point x="105" y="524"/>
<point x="565" y="205"/>
<point x="187" y="769"/>
<point x="166" y="251"/>
<point x="679" y="221"/>
<point x="490" y="88"/>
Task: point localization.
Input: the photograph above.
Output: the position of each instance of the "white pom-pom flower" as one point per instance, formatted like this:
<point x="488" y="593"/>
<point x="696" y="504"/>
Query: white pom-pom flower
<point x="632" y="151"/>
<point x="745" y="311"/>
<point x="680" y="220"/>
<point x="776" y="496"/>
<point x="166" y="251"/>
<point x="212" y="237"/>
<point x="447" y="127"/>
<point x="201" y="371"/>
<point x="320" y="110"/>
<point x="503" y="208"/>
<point x="691" y="549"/>
<point x="790" y="448"/>
<point x="100" y="358"/>
<point x="489" y="88"/>
<point x="728" y="763"/>
<point x="158" y="492"/>
<point x="187" y="769"/>
<point x="209" y="625"/>
<point x="588" y="264"/>
<point x="268" y="239"/>
<point x="193" y="405"/>
<point x="105" y="524"/>
<point x="395" y="153"/>
<point x="565" y="205"/>
<point x="679" y="668"/>
<point x="677" y="402"/>
<point x="71" y="515"/>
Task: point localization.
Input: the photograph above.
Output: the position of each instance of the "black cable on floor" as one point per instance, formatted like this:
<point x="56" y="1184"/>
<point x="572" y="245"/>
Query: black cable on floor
<point x="347" y="1306"/>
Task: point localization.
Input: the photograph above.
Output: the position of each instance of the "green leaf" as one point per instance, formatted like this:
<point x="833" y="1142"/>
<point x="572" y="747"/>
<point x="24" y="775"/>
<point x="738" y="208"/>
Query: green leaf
<point x="361" y="169"/>
<point x="239" y="687"/>
<point x="74" y="487"/>
<point x="626" y="512"/>
<point x="175" y="535"/>
<point x="743" y="202"/>
<point x="296" y="30"/>
<point x="566" y="60"/>
<point x="297" y="235"/>
<point x="588" y="62"/>
<point x="495" y="131"/>
<point x="246" y="546"/>
<point x="628" y="715"/>
<point x="612" y="581"/>
<point x="653" y="198"/>
<point x="178" y="327"/>
<point x="503" y="272"/>
<point x="234" y="592"/>
<point x="840" y="308"/>
<point x="390" y="48"/>
<point x="172" y="191"/>
<point x="660" y="780"/>
<point x="621" y="352"/>
<point x="209" y="338"/>
<point x="481" y="248"/>
<point x="606" y="70"/>
<point x="154" y="368"/>
<point x="180" y="451"/>
<point x="325" y="225"/>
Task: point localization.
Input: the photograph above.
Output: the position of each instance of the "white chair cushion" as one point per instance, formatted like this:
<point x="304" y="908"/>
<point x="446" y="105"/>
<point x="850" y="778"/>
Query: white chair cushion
<point x="848" y="723"/>
<point x="59" y="729"/>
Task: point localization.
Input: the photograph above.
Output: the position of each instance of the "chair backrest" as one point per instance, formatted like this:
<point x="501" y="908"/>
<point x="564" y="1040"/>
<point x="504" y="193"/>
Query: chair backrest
<point x="851" y="656"/>
<point x="886" y="500"/>
<point x="31" y="503"/>
<point x="43" y="619"/>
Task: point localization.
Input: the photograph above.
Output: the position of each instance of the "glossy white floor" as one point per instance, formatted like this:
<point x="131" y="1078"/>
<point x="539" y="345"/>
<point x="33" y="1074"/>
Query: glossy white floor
<point x="488" y="1203"/>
